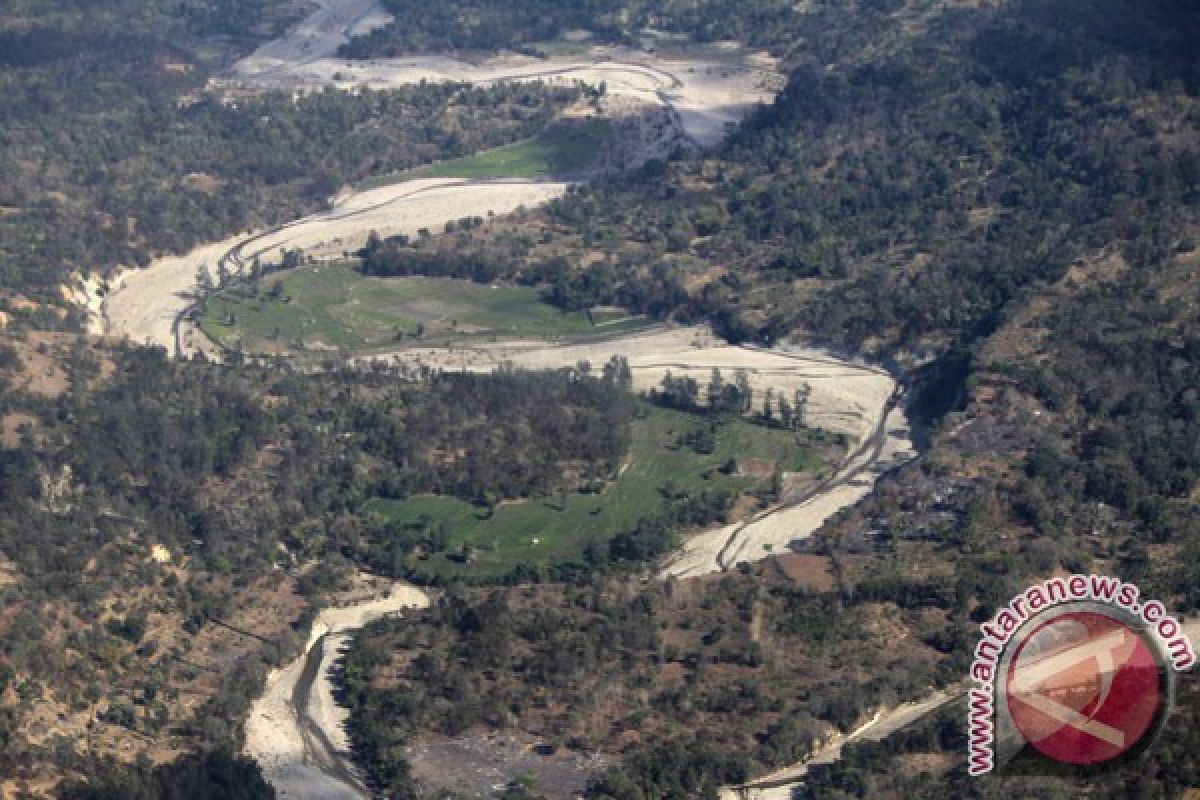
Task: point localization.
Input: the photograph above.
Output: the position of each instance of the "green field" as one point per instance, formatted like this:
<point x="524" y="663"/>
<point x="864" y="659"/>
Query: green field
<point x="546" y="531"/>
<point x="332" y="306"/>
<point x="563" y="149"/>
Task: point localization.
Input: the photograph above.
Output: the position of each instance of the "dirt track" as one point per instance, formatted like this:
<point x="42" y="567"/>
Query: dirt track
<point x="782" y="784"/>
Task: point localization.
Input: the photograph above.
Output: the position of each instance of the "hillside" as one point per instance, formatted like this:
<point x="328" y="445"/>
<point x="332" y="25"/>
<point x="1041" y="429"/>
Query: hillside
<point x="1003" y="201"/>
<point x="998" y="200"/>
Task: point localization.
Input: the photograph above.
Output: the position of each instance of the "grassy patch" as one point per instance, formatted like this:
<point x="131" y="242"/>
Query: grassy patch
<point x="547" y="531"/>
<point x="562" y="149"/>
<point x="334" y="306"/>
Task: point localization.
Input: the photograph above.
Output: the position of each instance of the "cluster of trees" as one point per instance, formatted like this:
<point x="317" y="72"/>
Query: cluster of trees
<point x="521" y="26"/>
<point x="548" y="659"/>
<point x="493" y="436"/>
<point x="719" y="397"/>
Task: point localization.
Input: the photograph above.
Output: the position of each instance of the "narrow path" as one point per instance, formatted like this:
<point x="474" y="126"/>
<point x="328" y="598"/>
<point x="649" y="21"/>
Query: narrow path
<point x="780" y="785"/>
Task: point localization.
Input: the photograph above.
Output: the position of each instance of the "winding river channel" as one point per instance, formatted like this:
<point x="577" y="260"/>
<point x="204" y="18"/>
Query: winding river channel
<point x="296" y="729"/>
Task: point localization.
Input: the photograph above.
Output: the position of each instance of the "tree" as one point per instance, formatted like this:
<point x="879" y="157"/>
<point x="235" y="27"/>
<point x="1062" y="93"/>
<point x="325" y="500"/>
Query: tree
<point x="787" y="417"/>
<point x="745" y="391"/>
<point x="204" y="279"/>
<point x="716" y="389"/>
<point x="801" y="411"/>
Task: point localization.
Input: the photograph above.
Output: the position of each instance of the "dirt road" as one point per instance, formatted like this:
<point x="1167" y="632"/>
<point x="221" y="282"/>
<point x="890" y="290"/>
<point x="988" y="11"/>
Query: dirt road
<point x="781" y="785"/>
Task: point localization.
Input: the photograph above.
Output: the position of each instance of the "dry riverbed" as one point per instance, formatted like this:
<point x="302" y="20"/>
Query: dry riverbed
<point x="296" y="730"/>
<point x="714" y="89"/>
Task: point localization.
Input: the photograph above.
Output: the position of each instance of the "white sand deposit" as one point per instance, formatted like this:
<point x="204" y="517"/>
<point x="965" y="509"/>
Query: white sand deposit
<point x="304" y="751"/>
<point x="707" y="96"/>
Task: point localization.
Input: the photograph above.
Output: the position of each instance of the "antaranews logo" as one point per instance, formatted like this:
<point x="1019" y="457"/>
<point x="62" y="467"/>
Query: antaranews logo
<point x="1077" y="670"/>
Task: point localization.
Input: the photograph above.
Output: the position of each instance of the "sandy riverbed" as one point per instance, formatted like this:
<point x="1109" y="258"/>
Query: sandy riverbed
<point x="707" y="96"/>
<point x="707" y="93"/>
<point x="303" y="749"/>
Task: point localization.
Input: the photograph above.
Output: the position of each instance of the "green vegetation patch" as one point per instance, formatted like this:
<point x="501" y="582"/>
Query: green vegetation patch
<point x="561" y="149"/>
<point x="662" y="469"/>
<point x="332" y="306"/>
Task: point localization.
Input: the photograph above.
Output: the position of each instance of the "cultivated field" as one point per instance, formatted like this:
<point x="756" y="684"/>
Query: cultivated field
<point x="562" y="149"/>
<point x="332" y="306"/>
<point x="547" y="531"/>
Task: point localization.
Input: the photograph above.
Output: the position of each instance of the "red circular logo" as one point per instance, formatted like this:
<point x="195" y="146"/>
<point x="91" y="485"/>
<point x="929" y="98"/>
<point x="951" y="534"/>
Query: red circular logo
<point x="1084" y="688"/>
